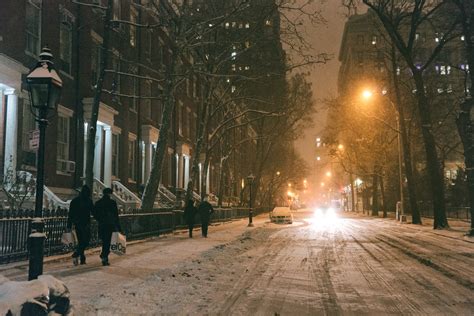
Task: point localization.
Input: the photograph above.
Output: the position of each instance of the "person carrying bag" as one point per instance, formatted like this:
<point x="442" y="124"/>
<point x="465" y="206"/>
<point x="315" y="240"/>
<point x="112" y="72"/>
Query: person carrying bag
<point x="80" y="216"/>
<point x="106" y="214"/>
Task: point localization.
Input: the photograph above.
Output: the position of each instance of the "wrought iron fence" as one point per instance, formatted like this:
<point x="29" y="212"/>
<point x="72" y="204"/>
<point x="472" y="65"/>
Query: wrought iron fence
<point x="454" y="212"/>
<point x="136" y="224"/>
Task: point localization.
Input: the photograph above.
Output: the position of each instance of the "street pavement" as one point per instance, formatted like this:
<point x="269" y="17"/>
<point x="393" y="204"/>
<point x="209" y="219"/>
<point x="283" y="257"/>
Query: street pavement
<point x="320" y="265"/>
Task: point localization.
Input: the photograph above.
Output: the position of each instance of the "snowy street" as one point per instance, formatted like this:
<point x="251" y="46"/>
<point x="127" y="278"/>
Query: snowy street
<point x="351" y="264"/>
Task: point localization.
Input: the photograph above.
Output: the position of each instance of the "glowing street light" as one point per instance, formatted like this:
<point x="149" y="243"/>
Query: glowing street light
<point x="328" y="174"/>
<point x="367" y="94"/>
<point x="340" y="147"/>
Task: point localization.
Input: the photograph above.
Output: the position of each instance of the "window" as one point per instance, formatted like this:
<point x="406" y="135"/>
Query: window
<point x="149" y="45"/>
<point x="374" y="39"/>
<point x="116" y="67"/>
<point x="360" y="39"/>
<point x="247" y="25"/>
<point x="148" y="92"/>
<point x="133" y="28"/>
<point x="194" y="87"/>
<point x="115" y="154"/>
<point x="117" y="10"/>
<point x="33" y="26"/>
<point x="95" y="62"/>
<point x="132" y="144"/>
<point x="62" y="140"/>
<point x="268" y="22"/>
<point x="180" y="120"/>
<point x="65" y="41"/>
<point x="134" y="104"/>
<point x="188" y="86"/>
<point x="28" y="126"/>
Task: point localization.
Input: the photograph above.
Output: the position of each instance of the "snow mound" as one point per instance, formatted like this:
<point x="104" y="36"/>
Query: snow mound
<point x="37" y="297"/>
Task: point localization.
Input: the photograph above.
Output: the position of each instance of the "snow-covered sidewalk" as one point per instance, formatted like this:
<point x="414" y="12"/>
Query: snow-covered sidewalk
<point x="457" y="228"/>
<point x="91" y="284"/>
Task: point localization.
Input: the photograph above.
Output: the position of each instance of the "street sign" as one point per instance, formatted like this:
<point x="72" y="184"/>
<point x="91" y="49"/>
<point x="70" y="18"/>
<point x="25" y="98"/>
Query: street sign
<point x="33" y="138"/>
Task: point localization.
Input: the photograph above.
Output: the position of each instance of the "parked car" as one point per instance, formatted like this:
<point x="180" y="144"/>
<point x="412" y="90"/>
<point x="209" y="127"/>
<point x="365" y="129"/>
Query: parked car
<point x="281" y="214"/>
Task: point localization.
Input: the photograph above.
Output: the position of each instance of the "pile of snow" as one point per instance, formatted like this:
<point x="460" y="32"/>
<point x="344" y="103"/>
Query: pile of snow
<point x="37" y="297"/>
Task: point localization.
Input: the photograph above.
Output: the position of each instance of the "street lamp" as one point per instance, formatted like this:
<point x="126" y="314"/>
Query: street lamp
<point x="250" y="179"/>
<point x="44" y="86"/>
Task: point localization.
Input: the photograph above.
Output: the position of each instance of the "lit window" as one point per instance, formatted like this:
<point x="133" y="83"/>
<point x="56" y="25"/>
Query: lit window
<point x="247" y="44"/>
<point x="117" y="9"/>
<point x="211" y="25"/>
<point x="233" y="55"/>
<point x="133" y="28"/>
<point x="374" y="40"/>
<point x="440" y="90"/>
<point x="233" y="89"/>
<point x="268" y="22"/>
<point x="227" y="25"/>
<point x="247" y="67"/>
<point x="398" y="71"/>
<point x="449" y="88"/>
<point x="462" y="38"/>
<point x="233" y="67"/>
<point x="247" y="25"/>
<point x="33" y="26"/>
<point x="234" y="24"/>
<point x="417" y="36"/>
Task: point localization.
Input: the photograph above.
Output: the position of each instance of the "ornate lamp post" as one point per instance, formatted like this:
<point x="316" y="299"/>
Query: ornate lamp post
<point x="44" y="86"/>
<point x="250" y="179"/>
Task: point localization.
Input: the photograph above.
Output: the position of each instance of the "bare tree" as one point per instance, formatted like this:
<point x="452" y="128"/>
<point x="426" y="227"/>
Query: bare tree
<point x="402" y="21"/>
<point x="464" y="120"/>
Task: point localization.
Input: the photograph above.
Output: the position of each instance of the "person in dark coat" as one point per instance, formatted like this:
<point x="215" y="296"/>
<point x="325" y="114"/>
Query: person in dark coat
<point x="189" y="214"/>
<point x="205" y="211"/>
<point x="80" y="216"/>
<point x="106" y="214"/>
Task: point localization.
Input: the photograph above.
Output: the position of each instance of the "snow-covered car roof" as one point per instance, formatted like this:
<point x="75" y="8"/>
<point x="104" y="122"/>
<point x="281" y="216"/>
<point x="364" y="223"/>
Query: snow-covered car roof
<point x="282" y="210"/>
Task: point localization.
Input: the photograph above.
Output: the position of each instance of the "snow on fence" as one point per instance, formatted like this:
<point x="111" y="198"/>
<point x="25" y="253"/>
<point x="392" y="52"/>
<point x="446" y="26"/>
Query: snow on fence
<point x="136" y="224"/>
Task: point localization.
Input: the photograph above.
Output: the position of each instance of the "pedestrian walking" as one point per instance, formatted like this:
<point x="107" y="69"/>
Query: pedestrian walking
<point x="189" y="214"/>
<point x="205" y="211"/>
<point x="106" y="214"/>
<point x="79" y="215"/>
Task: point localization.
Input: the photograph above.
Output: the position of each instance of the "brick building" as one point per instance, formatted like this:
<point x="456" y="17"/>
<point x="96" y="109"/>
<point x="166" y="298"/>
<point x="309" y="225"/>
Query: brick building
<point x="131" y="104"/>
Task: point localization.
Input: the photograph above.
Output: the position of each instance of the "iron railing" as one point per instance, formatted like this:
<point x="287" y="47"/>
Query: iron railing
<point x="136" y="224"/>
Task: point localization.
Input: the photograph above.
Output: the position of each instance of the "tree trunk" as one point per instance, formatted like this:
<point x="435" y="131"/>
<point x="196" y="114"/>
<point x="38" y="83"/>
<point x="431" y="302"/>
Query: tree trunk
<point x="353" y="203"/>
<point x="464" y="121"/>
<point x="153" y="182"/>
<point x="433" y="164"/>
<point x="382" y="193"/>
<point x="201" y="139"/>
<point x="406" y="152"/>
<point x="466" y="133"/>
<point x="91" y="134"/>
<point x="375" y="193"/>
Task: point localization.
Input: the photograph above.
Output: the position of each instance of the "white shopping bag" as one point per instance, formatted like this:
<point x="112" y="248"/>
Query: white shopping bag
<point x="118" y="244"/>
<point x="69" y="240"/>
